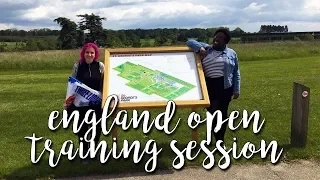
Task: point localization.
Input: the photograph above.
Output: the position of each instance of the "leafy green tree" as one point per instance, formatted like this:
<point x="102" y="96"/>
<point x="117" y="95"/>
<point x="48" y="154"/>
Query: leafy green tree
<point x="160" y="40"/>
<point x="68" y="34"/>
<point x="32" y="45"/>
<point x="81" y="38"/>
<point x="173" y="37"/>
<point x="135" y="40"/>
<point x="125" y="39"/>
<point x="3" y="46"/>
<point x="136" y="43"/>
<point x="273" y="28"/>
<point x="203" y="38"/>
<point x="19" y="46"/>
<point x="93" y="24"/>
<point x="42" y="45"/>
<point x="211" y="31"/>
<point x="307" y="37"/>
<point x="182" y="37"/>
<point x="237" y="32"/>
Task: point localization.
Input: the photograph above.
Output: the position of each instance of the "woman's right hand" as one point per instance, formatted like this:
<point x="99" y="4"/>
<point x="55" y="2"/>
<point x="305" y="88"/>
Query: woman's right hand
<point x="202" y="52"/>
<point x="69" y="101"/>
<point x="65" y="106"/>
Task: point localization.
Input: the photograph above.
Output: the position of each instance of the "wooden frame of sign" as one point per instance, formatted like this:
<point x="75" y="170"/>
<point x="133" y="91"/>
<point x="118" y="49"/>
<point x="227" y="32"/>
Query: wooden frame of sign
<point x="113" y="56"/>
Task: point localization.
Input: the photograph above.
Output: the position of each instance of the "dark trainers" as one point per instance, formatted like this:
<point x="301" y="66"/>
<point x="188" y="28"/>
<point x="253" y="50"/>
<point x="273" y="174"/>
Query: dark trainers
<point x="85" y="161"/>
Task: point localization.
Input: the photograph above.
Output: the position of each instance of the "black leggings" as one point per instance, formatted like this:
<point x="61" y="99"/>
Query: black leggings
<point x="219" y="100"/>
<point x="85" y="127"/>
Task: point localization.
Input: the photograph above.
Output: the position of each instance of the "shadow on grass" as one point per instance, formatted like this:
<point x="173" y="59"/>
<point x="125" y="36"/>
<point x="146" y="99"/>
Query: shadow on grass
<point x="113" y="168"/>
<point x="286" y="147"/>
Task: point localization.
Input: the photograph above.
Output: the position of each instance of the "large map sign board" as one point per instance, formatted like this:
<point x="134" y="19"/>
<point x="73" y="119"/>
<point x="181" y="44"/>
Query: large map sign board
<point x="150" y="77"/>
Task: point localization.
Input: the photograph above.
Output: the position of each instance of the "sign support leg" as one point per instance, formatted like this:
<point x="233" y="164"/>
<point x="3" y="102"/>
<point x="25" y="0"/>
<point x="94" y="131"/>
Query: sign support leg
<point x="195" y="135"/>
<point x="114" y="132"/>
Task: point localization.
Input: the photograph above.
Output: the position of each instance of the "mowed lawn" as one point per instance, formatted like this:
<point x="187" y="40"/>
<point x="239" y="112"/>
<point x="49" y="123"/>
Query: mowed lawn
<point x="28" y="98"/>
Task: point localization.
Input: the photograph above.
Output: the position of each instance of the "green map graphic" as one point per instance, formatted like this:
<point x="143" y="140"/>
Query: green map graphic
<point x="151" y="81"/>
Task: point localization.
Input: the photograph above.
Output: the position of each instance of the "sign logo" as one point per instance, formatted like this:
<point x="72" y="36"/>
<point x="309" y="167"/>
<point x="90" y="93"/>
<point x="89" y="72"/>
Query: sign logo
<point x="125" y="98"/>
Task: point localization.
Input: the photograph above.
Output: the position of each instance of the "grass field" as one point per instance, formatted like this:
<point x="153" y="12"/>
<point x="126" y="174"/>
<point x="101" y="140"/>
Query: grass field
<point x="34" y="84"/>
<point x="63" y="59"/>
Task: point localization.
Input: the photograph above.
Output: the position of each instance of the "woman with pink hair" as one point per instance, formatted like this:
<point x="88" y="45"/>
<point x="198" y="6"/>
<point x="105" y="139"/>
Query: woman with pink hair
<point x="89" y="52"/>
<point x="88" y="70"/>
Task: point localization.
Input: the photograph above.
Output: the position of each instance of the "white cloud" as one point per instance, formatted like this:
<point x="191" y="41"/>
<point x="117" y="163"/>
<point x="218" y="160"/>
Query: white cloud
<point x="6" y="26"/>
<point x="312" y="4"/>
<point x="130" y="1"/>
<point x="27" y="28"/>
<point x="169" y="9"/>
<point x="131" y="14"/>
<point x="311" y="7"/>
<point x="42" y="12"/>
<point x="255" y="7"/>
<point x="155" y="10"/>
<point x="116" y="14"/>
<point x="17" y="2"/>
<point x="53" y="9"/>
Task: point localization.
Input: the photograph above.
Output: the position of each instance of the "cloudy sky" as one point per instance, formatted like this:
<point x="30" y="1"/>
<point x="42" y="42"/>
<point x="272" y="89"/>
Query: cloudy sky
<point x="299" y="15"/>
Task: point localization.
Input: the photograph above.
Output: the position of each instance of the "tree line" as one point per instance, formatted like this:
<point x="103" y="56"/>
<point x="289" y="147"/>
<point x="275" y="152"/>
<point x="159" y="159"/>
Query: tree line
<point x="73" y="35"/>
<point x="273" y="28"/>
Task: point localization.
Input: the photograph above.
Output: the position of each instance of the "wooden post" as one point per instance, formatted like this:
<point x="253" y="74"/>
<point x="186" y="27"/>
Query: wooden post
<point x="194" y="131"/>
<point x="300" y="112"/>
